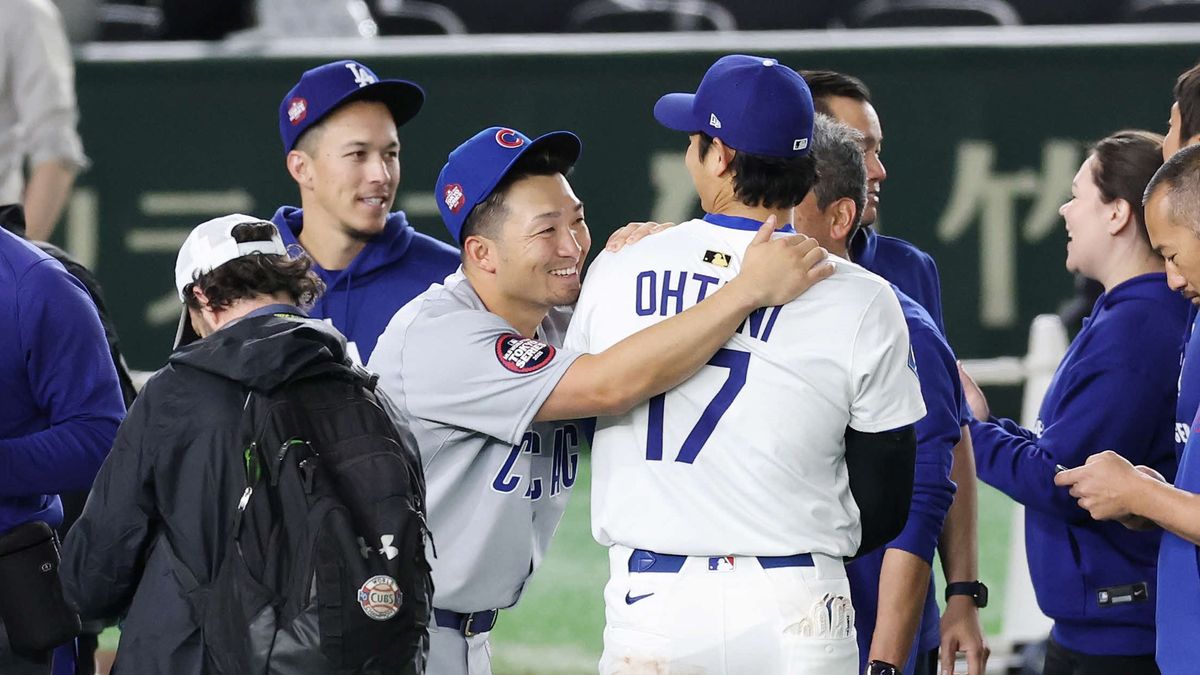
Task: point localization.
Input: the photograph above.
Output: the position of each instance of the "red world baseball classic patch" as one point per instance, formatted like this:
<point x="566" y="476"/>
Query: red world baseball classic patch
<point x="380" y="597"/>
<point x="297" y="110"/>
<point x="454" y="197"/>
<point x="521" y="354"/>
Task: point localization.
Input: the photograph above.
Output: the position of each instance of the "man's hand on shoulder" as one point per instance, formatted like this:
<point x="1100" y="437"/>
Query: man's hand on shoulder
<point x="633" y="233"/>
<point x="777" y="271"/>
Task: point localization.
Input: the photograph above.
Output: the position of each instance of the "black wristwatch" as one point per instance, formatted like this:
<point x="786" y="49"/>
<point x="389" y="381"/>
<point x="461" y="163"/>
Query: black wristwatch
<point x="878" y="667"/>
<point x="976" y="589"/>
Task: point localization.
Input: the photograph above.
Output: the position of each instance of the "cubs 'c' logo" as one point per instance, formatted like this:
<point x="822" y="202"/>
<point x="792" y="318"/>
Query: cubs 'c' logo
<point x="508" y="138"/>
<point x="297" y="110"/>
<point x="454" y="197"/>
<point x="521" y="354"/>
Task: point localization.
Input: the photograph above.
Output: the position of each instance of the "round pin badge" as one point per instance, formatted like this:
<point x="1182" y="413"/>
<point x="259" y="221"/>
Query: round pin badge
<point x="380" y="597"/>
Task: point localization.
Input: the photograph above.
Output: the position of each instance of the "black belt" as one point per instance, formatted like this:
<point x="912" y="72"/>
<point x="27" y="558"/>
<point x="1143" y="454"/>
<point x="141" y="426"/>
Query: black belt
<point x="470" y="624"/>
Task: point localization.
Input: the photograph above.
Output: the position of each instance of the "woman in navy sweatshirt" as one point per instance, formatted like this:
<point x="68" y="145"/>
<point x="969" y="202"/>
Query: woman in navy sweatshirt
<point x="1114" y="390"/>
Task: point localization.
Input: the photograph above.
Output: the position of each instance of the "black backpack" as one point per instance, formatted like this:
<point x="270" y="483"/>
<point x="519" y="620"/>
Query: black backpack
<point x="325" y="571"/>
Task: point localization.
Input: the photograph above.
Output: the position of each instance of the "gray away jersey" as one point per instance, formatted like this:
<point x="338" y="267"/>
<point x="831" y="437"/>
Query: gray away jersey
<point x="470" y="386"/>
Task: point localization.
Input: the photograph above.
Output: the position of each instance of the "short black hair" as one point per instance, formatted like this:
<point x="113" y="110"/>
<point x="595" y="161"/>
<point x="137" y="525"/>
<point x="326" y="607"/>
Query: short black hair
<point x="826" y="84"/>
<point x="838" y="149"/>
<point x="1187" y="95"/>
<point x="770" y="182"/>
<point x="1180" y="177"/>
<point x="486" y="217"/>
<point x="256" y="274"/>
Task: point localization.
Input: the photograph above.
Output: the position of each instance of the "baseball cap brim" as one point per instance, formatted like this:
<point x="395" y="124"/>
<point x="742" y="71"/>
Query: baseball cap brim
<point x="185" y="334"/>
<point x="675" y="111"/>
<point x="403" y="98"/>
<point x="562" y="144"/>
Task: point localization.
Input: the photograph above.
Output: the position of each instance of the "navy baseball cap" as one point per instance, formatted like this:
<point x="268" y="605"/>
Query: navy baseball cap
<point x="475" y="168"/>
<point x="753" y="104"/>
<point x="321" y="90"/>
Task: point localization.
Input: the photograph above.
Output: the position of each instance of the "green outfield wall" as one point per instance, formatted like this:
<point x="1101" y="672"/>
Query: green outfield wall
<point x="982" y="137"/>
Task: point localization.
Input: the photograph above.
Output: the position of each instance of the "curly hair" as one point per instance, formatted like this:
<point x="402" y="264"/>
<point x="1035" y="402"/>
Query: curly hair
<point x="257" y="274"/>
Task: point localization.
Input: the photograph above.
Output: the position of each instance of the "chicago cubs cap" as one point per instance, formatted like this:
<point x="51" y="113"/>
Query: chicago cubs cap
<point x="475" y="168"/>
<point x="753" y="104"/>
<point x="208" y="247"/>
<point x="321" y="90"/>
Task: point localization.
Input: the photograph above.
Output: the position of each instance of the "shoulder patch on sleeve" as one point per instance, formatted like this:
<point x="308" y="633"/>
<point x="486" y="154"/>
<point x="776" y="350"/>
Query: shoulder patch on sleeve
<point x="521" y="354"/>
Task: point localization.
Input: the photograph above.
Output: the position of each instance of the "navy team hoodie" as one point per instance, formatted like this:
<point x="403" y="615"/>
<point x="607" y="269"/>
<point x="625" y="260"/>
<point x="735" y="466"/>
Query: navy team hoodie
<point x="395" y="266"/>
<point x="60" y="403"/>
<point x="1114" y="390"/>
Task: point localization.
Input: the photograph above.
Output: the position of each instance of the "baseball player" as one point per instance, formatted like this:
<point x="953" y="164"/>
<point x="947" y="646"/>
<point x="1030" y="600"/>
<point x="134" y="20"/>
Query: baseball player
<point x="725" y="502"/>
<point x="339" y="127"/>
<point x="887" y="610"/>
<point x="476" y="364"/>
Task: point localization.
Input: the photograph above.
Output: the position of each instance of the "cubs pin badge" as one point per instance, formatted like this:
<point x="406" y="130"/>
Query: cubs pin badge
<point x="380" y="597"/>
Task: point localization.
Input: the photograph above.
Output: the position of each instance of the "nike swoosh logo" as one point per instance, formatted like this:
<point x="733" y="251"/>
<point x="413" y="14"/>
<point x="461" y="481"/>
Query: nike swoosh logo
<point x="630" y="599"/>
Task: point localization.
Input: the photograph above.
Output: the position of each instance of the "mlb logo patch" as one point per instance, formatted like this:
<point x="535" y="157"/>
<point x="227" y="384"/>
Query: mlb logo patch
<point x="800" y="144"/>
<point x="717" y="258"/>
<point x="721" y="564"/>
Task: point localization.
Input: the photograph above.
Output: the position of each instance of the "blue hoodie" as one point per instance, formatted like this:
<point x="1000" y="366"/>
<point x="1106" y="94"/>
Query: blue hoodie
<point x="915" y="273"/>
<point x="1189" y="382"/>
<point x="62" y="403"/>
<point x="1178" y="649"/>
<point x="395" y="266"/>
<point x="933" y="491"/>
<point x="1115" y="389"/>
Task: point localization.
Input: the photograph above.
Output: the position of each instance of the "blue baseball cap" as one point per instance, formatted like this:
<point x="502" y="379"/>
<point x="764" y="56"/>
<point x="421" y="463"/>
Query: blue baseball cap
<point x="321" y="90"/>
<point x="753" y="104"/>
<point x="475" y="168"/>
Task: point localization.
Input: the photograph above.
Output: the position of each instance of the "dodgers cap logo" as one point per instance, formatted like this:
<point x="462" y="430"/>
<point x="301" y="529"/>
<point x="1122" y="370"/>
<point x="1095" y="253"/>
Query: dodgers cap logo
<point x="324" y="89"/>
<point x="753" y="104"/>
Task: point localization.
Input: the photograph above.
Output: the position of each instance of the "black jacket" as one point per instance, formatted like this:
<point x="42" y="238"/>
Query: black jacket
<point x="171" y="485"/>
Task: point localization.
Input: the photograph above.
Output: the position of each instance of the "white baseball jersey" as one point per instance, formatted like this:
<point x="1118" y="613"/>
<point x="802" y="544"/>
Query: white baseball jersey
<point x="497" y="483"/>
<point x="748" y="456"/>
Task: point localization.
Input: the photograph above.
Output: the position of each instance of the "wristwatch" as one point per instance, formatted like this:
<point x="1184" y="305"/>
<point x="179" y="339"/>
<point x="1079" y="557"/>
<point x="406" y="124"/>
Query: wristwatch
<point x="976" y="589"/>
<point x="878" y="667"/>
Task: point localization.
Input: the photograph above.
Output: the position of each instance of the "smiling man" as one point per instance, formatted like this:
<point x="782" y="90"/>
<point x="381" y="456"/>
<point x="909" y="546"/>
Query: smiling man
<point x="496" y="403"/>
<point x="339" y="130"/>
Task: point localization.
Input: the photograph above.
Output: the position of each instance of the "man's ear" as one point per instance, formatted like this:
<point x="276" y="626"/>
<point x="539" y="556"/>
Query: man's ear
<point x="844" y="213"/>
<point x="480" y="252"/>
<point x="299" y="166"/>
<point x="200" y="297"/>
<point x="720" y="156"/>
